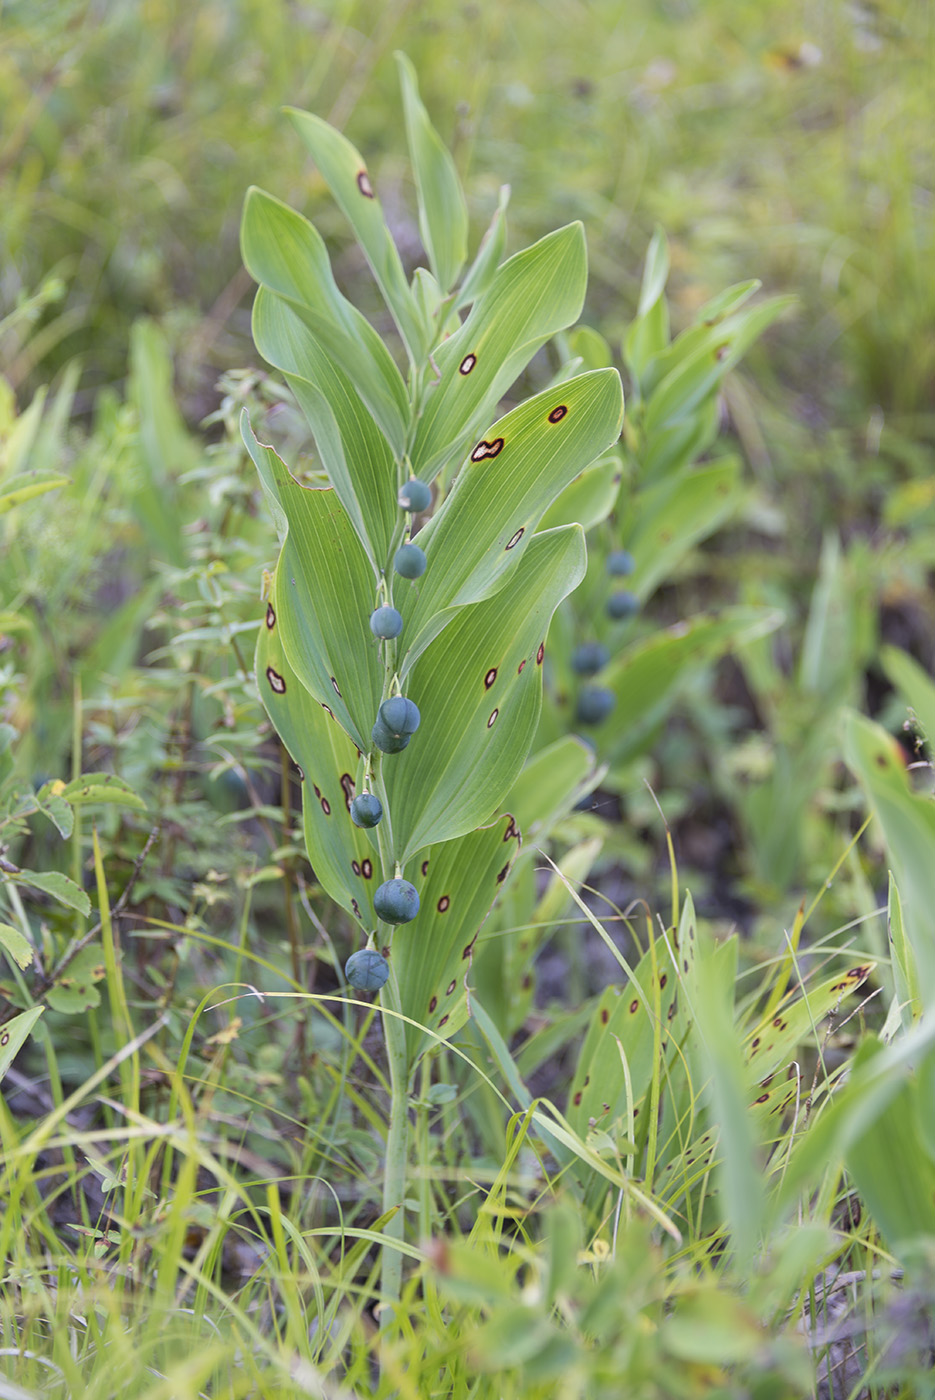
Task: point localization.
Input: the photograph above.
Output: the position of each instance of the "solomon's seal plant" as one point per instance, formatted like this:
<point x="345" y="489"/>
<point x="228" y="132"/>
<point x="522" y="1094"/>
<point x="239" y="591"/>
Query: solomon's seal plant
<point x="434" y="723"/>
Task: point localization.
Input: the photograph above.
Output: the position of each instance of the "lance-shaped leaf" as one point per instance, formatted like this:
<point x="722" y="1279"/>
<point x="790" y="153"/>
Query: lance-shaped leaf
<point x="479" y="689"/>
<point x="284" y="253"/>
<point x="678" y="513"/>
<point x="443" y="217"/>
<point x="533" y="295"/>
<point x="346" y="175"/>
<point x="481" y="532"/>
<point x="325" y="598"/>
<point x="480" y="274"/>
<point x="588" y="499"/>
<point x="14" y="1034"/>
<point x="458" y="882"/>
<point x="353" y="451"/>
<point x="342" y="855"/>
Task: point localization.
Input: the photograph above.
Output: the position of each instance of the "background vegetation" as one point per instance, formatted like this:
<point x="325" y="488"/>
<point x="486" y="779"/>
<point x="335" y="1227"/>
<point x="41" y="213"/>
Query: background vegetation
<point x="190" y="1150"/>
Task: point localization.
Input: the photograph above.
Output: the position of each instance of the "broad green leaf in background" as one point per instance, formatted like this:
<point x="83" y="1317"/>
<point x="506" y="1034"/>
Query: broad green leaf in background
<point x="166" y="451"/>
<point x="481" y="272"/>
<point x="479" y="688"/>
<point x="915" y="686"/>
<point x="346" y="175"/>
<point x="523" y="462"/>
<point x="53" y="883"/>
<point x="551" y="782"/>
<point x="17" y="945"/>
<point x="677" y="514"/>
<point x="325" y="597"/>
<point x="25" y="487"/>
<point x="286" y="255"/>
<point x="534" y="294"/>
<point x="648" y="335"/>
<point x="644" y="676"/>
<point x="13" y="1036"/>
<point x="343" y="856"/>
<point x="680" y="442"/>
<point x="588" y="499"/>
<point x="706" y="331"/>
<point x="443" y="217"/>
<point x="76" y="988"/>
<point x="458" y="882"/>
<point x="353" y="451"/>
<point x="907" y="820"/>
<point x="93" y="789"/>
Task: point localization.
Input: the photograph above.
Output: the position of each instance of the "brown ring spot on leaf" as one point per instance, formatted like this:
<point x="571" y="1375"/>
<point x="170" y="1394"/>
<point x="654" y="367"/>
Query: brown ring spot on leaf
<point x="634" y="1005"/>
<point x="756" y="1043"/>
<point x="511" y="831"/>
<point x="366" y="869"/>
<point x="356" y="907"/>
<point x="364" y="185"/>
<point x="514" y="540"/>
<point x="270" y="616"/>
<point x="5" y="1038"/>
<point x="663" y="979"/>
<point x="425" y="868"/>
<point x="433" y="1003"/>
<point x="443" y="1020"/>
<point x="301" y="773"/>
<point x="326" y="806"/>
<point x="490" y="677"/>
<point x="764" y="1098"/>
<point x="347" y="785"/>
<point x="577" y="1099"/>
<point x="503" y="873"/>
<point x="336" y="690"/>
<point x="493" y="719"/>
<point x="443" y="904"/>
<point x="605" y="1015"/>
<point x="673" y="1009"/>
<point x="467" y="364"/>
<point x="519" y="668"/>
<point x="451" y="986"/>
<point x="327" y="709"/>
<point x="469" y="949"/>
<point x="540" y="653"/>
<point x="487" y="449"/>
<point x="355" y="867"/>
<point x="317" y="791"/>
<point x="276" y="681"/>
<point x="558" y="413"/>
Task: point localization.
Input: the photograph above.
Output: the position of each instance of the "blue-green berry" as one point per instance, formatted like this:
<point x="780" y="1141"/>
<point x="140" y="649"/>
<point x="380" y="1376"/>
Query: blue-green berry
<point x="589" y="658"/>
<point x="386" y="741"/>
<point x="415" y="495"/>
<point x="620" y="563"/>
<point x="367" y="970"/>
<point x="409" y="561"/>
<point x="623" y="604"/>
<point x="595" y="703"/>
<point x="399" y="715"/>
<point x="396" y="901"/>
<point x="366" y="810"/>
<point x="386" y="622"/>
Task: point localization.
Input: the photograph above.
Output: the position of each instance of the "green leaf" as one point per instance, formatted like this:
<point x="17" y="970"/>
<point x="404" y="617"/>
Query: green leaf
<point x="343" y="856"/>
<point x="458" y="882"/>
<point x="353" y="451"/>
<point x="325" y="597"/>
<point x="18" y="947"/>
<point x="915" y="687"/>
<point x="479" y="535"/>
<point x="549" y="785"/>
<point x="907" y="819"/>
<point x="346" y="175"/>
<point x="13" y="1036"/>
<point x="166" y="451"/>
<point x="533" y="295"/>
<point x="57" y="885"/>
<point x="646" y="675"/>
<point x="481" y="271"/>
<point x="52" y="804"/>
<point x="286" y="255"/>
<point x="101" y="789"/>
<point x="443" y="218"/>
<point x="588" y="499"/>
<point x="76" y="989"/>
<point x="479" y="689"/>
<point x="648" y="334"/>
<point x="25" y="487"/>
<point x="677" y="514"/>
<point x="905" y="972"/>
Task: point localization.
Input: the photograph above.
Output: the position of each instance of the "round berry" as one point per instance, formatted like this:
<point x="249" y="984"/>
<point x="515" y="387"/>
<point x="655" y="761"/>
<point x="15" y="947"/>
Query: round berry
<point x="396" y="901"/>
<point x="409" y="560"/>
<point x="386" y="622"/>
<point x="399" y="715"/>
<point x="366" y="810"/>
<point x="415" y="495"/>
<point x="623" y="604"/>
<point x="367" y="970"/>
<point x="620" y="563"/>
<point x="589" y="658"/>
<point x="594" y="704"/>
<point x="386" y="741"/>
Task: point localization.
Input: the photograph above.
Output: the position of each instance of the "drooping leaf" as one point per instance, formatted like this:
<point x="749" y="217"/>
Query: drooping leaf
<point x="53" y="883"/>
<point x="325" y="597"/>
<point x="343" y="856"/>
<point x="14" y="1034"/>
<point x="101" y="789"/>
<point x="286" y="255"/>
<point x="18" y="947"/>
<point x="346" y="176"/>
<point x="458" y="882"/>
<point x="443" y="218"/>
<point x="521" y="464"/>
<point x="479" y="689"/>
<point x="534" y="294"/>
